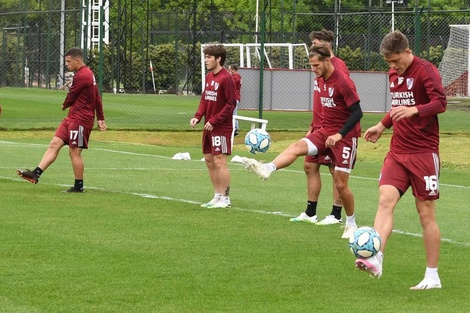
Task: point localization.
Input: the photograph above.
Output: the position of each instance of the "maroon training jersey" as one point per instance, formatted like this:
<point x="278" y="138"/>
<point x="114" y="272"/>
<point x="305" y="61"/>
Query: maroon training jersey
<point x="336" y="95"/>
<point x="83" y="98"/>
<point x="420" y="86"/>
<point x="238" y="85"/>
<point x="318" y="82"/>
<point x="218" y="101"/>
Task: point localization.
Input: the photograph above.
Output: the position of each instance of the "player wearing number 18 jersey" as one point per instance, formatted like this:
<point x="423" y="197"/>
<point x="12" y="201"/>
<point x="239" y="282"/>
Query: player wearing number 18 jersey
<point x="217" y="103"/>
<point x="413" y="160"/>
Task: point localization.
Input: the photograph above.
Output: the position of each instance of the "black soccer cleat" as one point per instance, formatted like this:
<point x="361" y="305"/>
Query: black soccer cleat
<point x="30" y="176"/>
<point x="73" y="190"/>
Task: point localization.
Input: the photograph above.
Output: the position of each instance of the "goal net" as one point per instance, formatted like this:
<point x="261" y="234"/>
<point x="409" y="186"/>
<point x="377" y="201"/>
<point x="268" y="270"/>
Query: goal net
<point x="454" y="67"/>
<point x="276" y="55"/>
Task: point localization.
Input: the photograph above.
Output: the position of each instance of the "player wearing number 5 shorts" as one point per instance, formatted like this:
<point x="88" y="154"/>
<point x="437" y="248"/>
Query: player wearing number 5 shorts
<point x="217" y="103"/>
<point x="337" y="137"/>
<point x="413" y="160"/>
<point x="83" y="102"/>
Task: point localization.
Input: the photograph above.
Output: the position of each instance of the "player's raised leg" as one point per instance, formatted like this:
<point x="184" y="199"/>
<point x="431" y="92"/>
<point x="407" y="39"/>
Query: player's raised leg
<point x="48" y="158"/>
<point x="383" y="224"/>
<point x="284" y="159"/>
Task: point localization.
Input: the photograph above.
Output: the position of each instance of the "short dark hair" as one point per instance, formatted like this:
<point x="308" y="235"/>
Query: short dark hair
<point x="216" y="50"/>
<point x="320" y="50"/>
<point x="75" y="52"/>
<point x="234" y="67"/>
<point x="394" y="42"/>
<point x="324" y="35"/>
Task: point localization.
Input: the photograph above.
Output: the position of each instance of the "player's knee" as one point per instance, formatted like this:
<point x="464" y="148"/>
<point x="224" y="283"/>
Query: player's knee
<point x="341" y="184"/>
<point x="308" y="167"/>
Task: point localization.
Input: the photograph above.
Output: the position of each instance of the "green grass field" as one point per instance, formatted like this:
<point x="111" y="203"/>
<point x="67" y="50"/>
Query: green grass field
<point x="138" y="240"/>
<point x="32" y="108"/>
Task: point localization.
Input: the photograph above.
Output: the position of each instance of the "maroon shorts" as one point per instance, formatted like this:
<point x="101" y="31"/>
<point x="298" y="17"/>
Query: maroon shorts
<point x="343" y="154"/>
<point x="323" y="159"/>
<point x="217" y="142"/>
<point x="73" y="134"/>
<point x="418" y="170"/>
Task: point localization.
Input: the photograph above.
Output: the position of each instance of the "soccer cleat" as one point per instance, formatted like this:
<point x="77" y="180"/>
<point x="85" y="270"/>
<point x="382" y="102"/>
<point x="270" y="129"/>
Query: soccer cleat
<point x="235" y="133"/>
<point x="30" y="176"/>
<point x="304" y="218"/>
<point x="221" y="204"/>
<point x="427" y="283"/>
<point x="370" y="265"/>
<point x="330" y="220"/>
<point x="73" y="190"/>
<point x="211" y="203"/>
<point x="348" y="231"/>
<point x="256" y="167"/>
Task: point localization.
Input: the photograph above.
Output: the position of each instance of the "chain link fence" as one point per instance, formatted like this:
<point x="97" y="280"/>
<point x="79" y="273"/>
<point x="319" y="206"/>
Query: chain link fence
<point x="151" y="51"/>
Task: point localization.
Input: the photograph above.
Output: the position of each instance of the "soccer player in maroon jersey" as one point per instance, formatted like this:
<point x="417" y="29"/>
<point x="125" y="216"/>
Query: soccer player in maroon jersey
<point x="312" y="163"/>
<point x="83" y="101"/>
<point x="337" y="137"/>
<point x="238" y="86"/>
<point x="413" y="160"/>
<point x="216" y="106"/>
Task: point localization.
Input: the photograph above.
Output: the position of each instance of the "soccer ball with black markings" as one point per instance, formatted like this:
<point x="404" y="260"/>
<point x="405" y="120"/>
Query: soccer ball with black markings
<point x="257" y="141"/>
<point x="365" y="243"/>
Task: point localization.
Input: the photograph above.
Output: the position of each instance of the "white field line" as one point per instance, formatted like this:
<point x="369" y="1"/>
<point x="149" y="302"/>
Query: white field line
<point x="151" y="196"/>
<point x="197" y="160"/>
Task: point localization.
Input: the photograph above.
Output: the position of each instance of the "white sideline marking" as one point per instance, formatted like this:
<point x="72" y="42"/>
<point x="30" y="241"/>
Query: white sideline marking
<point x="197" y="160"/>
<point x="465" y="244"/>
<point x="150" y="196"/>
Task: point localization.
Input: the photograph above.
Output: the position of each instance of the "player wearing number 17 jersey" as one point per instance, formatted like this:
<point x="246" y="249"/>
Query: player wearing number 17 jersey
<point x="83" y="102"/>
<point x="413" y="160"/>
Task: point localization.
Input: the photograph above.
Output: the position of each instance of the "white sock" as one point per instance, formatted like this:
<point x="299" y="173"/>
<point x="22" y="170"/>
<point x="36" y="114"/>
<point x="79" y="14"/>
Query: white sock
<point x="217" y="195"/>
<point x="351" y="220"/>
<point x="380" y="257"/>
<point x="431" y="272"/>
<point x="271" y="167"/>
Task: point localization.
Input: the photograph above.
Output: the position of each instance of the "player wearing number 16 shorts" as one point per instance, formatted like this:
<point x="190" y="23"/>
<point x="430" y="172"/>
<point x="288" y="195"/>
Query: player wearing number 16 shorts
<point x="413" y="160"/>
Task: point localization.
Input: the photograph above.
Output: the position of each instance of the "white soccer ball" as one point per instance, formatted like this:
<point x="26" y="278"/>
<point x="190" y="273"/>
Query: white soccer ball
<point x="365" y="242"/>
<point x="257" y="140"/>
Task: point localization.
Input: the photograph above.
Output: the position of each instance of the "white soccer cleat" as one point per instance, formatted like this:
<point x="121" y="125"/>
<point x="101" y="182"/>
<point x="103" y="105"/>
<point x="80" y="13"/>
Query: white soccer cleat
<point x="427" y="283"/>
<point x="348" y="231"/>
<point x="222" y="204"/>
<point x="256" y="167"/>
<point x="370" y="265"/>
<point x="330" y="220"/>
<point x="305" y="218"/>
<point x="211" y="203"/>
